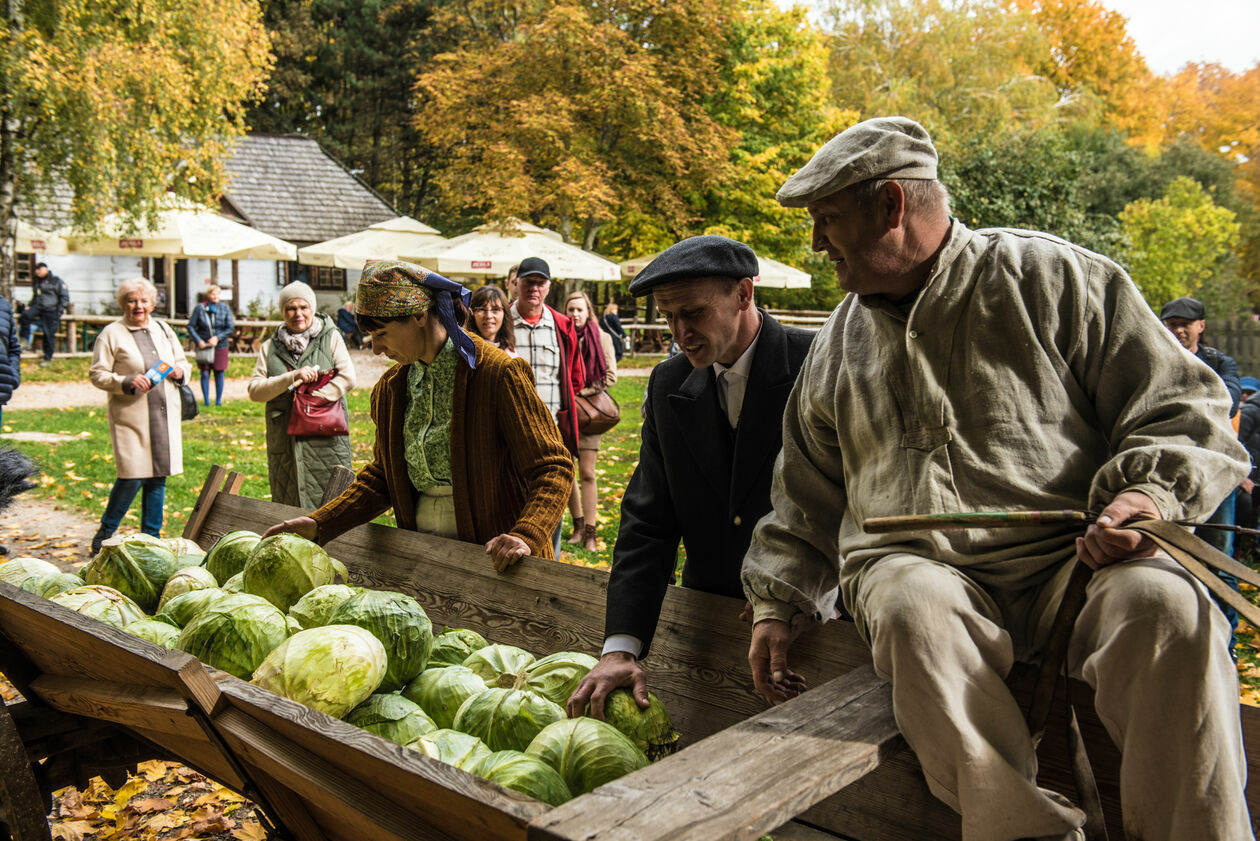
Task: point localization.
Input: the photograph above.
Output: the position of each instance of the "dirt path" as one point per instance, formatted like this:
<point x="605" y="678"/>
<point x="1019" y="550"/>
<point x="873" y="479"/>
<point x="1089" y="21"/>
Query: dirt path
<point x="39" y="529"/>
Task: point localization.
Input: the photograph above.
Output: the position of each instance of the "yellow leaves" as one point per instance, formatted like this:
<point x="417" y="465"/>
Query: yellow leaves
<point x="250" y="832"/>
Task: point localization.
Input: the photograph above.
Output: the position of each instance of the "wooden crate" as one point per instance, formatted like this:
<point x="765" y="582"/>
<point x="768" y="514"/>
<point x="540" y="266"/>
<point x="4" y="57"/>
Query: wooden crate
<point x="832" y="757"/>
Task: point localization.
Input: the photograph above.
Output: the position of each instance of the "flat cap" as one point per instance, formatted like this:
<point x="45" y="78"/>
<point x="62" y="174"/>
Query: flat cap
<point x="883" y="147"/>
<point x="706" y="256"/>
<point x="1191" y="309"/>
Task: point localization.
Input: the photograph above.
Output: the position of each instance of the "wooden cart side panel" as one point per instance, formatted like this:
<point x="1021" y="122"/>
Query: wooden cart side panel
<point x="438" y="798"/>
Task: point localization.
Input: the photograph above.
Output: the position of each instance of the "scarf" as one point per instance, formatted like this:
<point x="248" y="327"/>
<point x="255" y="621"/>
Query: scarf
<point x="297" y="342"/>
<point x="592" y="354"/>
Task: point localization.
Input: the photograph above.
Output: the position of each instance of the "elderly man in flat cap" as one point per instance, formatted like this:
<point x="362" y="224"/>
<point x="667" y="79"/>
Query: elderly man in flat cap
<point x="999" y="370"/>
<point x="711" y="430"/>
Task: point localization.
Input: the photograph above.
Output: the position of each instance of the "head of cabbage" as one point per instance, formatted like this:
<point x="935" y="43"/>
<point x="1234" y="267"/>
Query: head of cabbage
<point x="391" y="717"/>
<point x="331" y="669"/>
<point x="187" y="552"/>
<point x="506" y="719"/>
<point x="234" y="633"/>
<point x="51" y="584"/>
<point x="229" y="553"/>
<point x="313" y="609"/>
<point x="101" y="602"/>
<point x="524" y="773"/>
<point x="495" y="660"/>
<point x="441" y="691"/>
<point x="185" y="580"/>
<point x="452" y="646"/>
<point x="651" y="730"/>
<point x="181" y="609"/>
<point x="155" y="631"/>
<point x="18" y="570"/>
<point x="285" y="567"/>
<point x="235" y="584"/>
<point x="136" y="566"/>
<point x="402" y="626"/>
<point x="452" y="747"/>
<point x="587" y="752"/>
<point x="554" y="677"/>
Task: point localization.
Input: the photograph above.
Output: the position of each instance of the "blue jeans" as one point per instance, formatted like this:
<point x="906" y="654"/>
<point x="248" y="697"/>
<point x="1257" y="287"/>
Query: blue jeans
<point x="124" y="493"/>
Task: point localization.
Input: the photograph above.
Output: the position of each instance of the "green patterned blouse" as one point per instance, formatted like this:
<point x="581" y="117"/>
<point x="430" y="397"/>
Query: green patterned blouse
<point x="427" y="427"/>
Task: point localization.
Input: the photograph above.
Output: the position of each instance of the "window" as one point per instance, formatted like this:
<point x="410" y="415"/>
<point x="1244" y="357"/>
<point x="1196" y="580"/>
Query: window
<point x="23" y="269"/>
<point x="317" y="277"/>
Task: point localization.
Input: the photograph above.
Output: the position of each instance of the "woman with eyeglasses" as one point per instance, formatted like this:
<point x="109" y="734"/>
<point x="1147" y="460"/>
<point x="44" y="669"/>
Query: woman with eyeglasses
<point x="489" y="319"/>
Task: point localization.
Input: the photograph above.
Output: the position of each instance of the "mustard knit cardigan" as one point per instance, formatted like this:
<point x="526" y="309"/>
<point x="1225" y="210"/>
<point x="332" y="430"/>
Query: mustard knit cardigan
<point x="510" y="471"/>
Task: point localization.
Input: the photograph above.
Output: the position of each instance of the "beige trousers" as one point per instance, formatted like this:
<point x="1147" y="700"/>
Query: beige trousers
<point x="435" y="512"/>
<point x="1151" y="643"/>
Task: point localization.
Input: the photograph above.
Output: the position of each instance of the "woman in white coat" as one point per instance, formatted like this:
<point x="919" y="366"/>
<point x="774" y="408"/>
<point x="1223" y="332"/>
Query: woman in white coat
<point x="144" y="417"/>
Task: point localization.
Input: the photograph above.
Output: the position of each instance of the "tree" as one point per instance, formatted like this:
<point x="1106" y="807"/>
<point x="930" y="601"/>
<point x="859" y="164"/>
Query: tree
<point x="583" y="113"/>
<point x="123" y="101"/>
<point x="1176" y="244"/>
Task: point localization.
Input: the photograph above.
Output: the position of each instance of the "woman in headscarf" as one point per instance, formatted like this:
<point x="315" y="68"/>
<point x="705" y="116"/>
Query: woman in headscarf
<point x="600" y="363"/>
<point x="464" y="447"/>
<point x="306" y="348"/>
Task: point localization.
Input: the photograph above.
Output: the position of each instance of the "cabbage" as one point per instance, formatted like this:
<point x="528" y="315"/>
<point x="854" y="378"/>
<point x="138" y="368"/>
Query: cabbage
<point x="452" y="647"/>
<point x="136" y="566"/>
<point x="452" y="747"/>
<point x="495" y="660"/>
<point x="235" y="584"/>
<point x="19" y="569"/>
<point x="440" y="692"/>
<point x="391" y="717"/>
<point x="234" y="633"/>
<point x="506" y="719"/>
<point x="101" y="602"/>
<point x="51" y="584"/>
<point x="555" y="676"/>
<point x="183" y="608"/>
<point x="155" y="631"/>
<point x="399" y="623"/>
<point x="313" y="609"/>
<point x="284" y="567"/>
<point x="524" y="773"/>
<point x="650" y="730"/>
<point x="229" y="553"/>
<point x="185" y="580"/>
<point x="587" y="752"/>
<point x="186" y="551"/>
<point x="331" y="669"/>
<point x="292" y="625"/>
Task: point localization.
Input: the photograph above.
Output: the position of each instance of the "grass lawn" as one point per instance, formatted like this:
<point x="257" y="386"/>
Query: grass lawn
<point x="80" y="472"/>
<point x="74" y="369"/>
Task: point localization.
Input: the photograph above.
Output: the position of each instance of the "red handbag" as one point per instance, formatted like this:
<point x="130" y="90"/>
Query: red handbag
<point x="314" y="416"/>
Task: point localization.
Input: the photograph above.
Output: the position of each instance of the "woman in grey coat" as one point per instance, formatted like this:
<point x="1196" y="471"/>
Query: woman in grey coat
<point x="307" y="345"/>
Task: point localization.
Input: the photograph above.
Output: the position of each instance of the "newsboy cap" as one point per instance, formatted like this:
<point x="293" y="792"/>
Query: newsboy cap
<point x="534" y="266"/>
<point x="884" y="147"/>
<point x="705" y="256"/>
<point x="1191" y="309"/>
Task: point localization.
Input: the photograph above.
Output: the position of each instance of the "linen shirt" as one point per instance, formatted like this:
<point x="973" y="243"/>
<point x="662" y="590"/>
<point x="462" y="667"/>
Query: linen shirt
<point x="427" y="423"/>
<point x="539" y="345"/>
<point x="1028" y="374"/>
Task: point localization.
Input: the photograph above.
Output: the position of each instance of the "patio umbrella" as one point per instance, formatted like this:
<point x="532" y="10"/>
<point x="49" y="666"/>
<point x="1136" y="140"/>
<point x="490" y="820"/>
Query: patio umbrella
<point x="182" y="232"/>
<point x="773" y="274"/>
<point x="31" y="239"/>
<point x="490" y="250"/>
<point x="382" y="241"/>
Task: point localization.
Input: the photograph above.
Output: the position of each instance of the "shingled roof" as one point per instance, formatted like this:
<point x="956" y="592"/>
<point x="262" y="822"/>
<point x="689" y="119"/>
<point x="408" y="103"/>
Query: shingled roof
<point x="289" y="187"/>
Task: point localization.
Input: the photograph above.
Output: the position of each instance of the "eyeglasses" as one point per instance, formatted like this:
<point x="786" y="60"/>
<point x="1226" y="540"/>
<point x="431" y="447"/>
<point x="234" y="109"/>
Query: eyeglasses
<point x="486" y="310"/>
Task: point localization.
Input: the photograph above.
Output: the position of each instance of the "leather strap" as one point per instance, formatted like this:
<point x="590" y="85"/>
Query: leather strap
<point x="1196" y="555"/>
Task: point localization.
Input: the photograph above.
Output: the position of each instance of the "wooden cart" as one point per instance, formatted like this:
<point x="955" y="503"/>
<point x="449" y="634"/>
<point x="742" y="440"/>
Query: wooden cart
<point x="827" y="764"/>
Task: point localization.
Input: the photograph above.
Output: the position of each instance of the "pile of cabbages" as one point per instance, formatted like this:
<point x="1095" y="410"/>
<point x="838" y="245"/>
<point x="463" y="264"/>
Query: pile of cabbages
<point x="271" y="611"/>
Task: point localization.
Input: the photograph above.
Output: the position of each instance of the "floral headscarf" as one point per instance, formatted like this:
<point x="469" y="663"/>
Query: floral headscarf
<point x="392" y="288"/>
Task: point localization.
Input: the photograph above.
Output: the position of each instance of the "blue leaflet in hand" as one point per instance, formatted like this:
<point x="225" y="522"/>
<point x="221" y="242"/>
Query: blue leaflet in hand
<point x="159" y="371"/>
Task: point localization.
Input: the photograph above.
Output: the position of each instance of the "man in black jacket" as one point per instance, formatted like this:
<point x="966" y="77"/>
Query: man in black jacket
<point x="712" y="427"/>
<point x="49" y="299"/>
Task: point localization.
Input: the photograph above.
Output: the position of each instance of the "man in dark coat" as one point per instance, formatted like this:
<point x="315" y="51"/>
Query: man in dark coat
<point x="711" y="431"/>
<point x="49" y="299"/>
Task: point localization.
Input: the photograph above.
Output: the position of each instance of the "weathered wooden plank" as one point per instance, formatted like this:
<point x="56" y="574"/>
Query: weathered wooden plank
<point x="22" y="809"/>
<point x="151" y="707"/>
<point x="205" y="501"/>
<point x="450" y="802"/>
<point x="733" y="784"/>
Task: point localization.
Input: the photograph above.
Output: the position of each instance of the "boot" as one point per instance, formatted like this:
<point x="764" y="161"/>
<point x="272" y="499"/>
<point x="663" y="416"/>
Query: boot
<point x="97" y="539"/>
<point x="588" y="537"/>
<point x="578" y="525"/>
